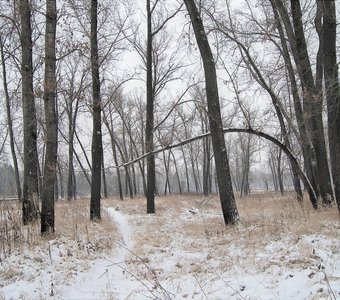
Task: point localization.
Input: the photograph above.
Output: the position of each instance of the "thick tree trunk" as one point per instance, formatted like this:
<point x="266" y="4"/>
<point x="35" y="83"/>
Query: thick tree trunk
<point x="332" y="92"/>
<point x="228" y="203"/>
<point x="50" y="85"/>
<point x="151" y="176"/>
<point x="30" y="204"/>
<point x="9" y="121"/>
<point x="97" y="150"/>
<point x="312" y="104"/>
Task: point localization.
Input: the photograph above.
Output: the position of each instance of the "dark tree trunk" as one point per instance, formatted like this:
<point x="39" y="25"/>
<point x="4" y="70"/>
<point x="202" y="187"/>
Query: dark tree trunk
<point x="312" y="104"/>
<point x="304" y="136"/>
<point x="118" y="171"/>
<point x="30" y="185"/>
<point x="192" y="161"/>
<point x="109" y="127"/>
<point x="228" y="203"/>
<point x="61" y="182"/>
<point x="50" y="85"/>
<point x="166" y="169"/>
<point x="280" y="173"/>
<point x="206" y="167"/>
<point x="151" y="176"/>
<point x="186" y="171"/>
<point x="332" y="92"/>
<point x="71" y="181"/>
<point x="97" y="150"/>
<point x="104" y="178"/>
<point x="70" y="178"/>
<point x="177" y="173"/>
<point x="9" y="121"/>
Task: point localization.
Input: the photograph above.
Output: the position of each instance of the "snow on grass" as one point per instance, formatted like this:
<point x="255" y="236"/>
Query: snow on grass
<point x="184" y="251"/>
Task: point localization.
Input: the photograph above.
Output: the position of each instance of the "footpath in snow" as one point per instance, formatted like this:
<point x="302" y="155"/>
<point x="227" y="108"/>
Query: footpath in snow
<point x="105" y="279"/>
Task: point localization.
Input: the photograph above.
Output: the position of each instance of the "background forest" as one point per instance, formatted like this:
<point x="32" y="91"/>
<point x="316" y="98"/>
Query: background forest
<point x="89" y="86"/>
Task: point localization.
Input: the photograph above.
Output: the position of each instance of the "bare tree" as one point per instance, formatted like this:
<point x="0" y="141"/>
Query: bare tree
<point x="50" y="167"/>
<point x="30" y="184"/>
<point x="9" y="120"/>
<point x="311" y="94"/>
<point x="229" y="209"/>
<point x="332" y="91"/>
<point x="97" y="150"/>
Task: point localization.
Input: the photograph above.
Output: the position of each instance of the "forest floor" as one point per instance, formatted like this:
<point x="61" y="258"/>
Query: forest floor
<point x="280" y="251"/>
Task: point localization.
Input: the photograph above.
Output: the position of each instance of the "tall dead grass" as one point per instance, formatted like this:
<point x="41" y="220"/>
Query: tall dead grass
<point x="13" y="235"/>
<point x="71" y="223"/>
<point x="199" y="224"/>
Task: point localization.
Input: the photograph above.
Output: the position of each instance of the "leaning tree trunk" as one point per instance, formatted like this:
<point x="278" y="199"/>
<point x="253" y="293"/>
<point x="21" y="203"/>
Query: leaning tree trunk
<point x="30" y="184"/>
<point x="50" y="167"/>
<point x="229" y="209"/>
<point x="97" y="150"/>
<point x="313" y="103"/>
<point x="9" y="121"/>
<point x="332" y="92"/>
<point x="307" y="148"/>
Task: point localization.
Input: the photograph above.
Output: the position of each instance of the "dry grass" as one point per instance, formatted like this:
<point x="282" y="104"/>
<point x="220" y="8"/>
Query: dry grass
<point x="13" y="235"/>
<point x="71" y="223"/>
<point x="266" y="218"/>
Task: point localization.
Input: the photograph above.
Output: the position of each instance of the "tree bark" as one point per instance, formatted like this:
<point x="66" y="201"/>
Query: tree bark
<point x="151" y="176"/>
<point x="312" y="103"/>
<point x="30" y="204"/>
<point x="50" y="85"/>
<point x="97" y="150"/>
<point x="228" y="203"/>
<point x="332" y="92"/>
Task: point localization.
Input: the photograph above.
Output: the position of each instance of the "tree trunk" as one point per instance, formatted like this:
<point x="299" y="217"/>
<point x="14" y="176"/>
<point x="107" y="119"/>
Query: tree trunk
<point x="109" y="127"/>
<point x="313" y="104"/>
<point x="192" y="161"/>
<point x="151" y="176"/>
<point x="332" y="92"/>
<point x="186" y="170"/>
<point x="177" y="173"/>
<point x="70" y="178"/>
<point x="30" y="184"/>
<point x="97" y="150"/>
<point x="104" y="178"/>
<point x="228" y="203"/>
<point x="304" y="136"/>
<point x="9" y="122"/>
<point x="166" y="169"/>
<point x="50" y="85"/>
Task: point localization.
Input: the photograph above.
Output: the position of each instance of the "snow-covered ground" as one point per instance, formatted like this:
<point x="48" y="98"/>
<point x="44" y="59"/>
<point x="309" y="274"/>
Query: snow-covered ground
<point x="280" y="251"/>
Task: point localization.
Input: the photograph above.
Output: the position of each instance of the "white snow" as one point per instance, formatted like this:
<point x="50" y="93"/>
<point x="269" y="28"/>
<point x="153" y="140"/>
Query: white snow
<point x="164" y="256"/>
